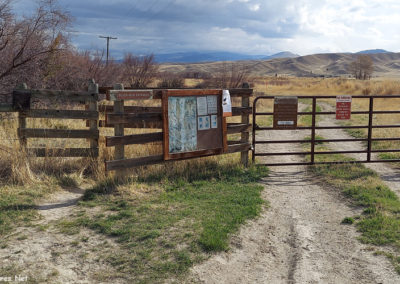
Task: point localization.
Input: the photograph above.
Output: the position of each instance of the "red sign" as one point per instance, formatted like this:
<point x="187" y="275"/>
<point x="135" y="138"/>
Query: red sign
<point x="343" y="107"/>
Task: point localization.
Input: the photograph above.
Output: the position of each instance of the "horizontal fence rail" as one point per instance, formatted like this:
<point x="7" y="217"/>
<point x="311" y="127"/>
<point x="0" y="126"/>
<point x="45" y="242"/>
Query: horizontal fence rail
<point x="313" y="141"/>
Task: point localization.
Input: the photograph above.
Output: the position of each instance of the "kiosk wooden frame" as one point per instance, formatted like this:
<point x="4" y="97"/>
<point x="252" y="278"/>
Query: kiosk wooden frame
<point x="220" y="130"/>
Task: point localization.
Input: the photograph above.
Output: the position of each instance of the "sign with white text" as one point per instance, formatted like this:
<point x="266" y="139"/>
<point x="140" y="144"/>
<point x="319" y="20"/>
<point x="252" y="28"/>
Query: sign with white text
<point x="343" y="107"/>
<point x="285" y="112"/>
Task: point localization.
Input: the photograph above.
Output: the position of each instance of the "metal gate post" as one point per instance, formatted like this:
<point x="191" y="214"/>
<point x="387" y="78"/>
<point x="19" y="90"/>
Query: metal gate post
<point x="370" y="120"/>
<point x="253" y="132"/>
<point x="314" y="110"/>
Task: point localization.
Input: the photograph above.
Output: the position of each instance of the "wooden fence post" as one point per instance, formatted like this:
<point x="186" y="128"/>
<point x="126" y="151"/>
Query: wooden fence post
<point x="22" y="122"/>
<point x="119" y="150"/>
<point x="244" y="157"/>
<point x="94" y="124"/>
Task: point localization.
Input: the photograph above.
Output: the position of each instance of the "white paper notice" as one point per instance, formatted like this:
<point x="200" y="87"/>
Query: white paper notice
<point x="203" y="122"/>
<point x="226" y="103"/>
<point x="202" y="106"/>
<point x="214" y="121"/>
<point x="212" y="104"/>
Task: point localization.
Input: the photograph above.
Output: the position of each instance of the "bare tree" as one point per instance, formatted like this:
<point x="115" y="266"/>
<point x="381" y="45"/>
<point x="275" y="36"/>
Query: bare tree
<point x="362" y="67"/>
<point x="139" y="71"/>
<point x="27" y="43"/>
<point x="171" y="80"/>
<point x="71" y="68"/>
<point x="229" y="76"/>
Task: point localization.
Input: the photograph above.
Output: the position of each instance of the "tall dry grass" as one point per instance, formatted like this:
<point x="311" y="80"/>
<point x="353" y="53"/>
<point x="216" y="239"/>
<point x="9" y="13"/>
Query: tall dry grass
<point x="17" y="168"/>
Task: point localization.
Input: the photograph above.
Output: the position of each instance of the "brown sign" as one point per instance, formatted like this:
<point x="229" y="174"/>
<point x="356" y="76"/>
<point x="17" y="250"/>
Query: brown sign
<point x="343" y="107"/>
<point x="285" y="112"/>
<point x="116" y="95"/>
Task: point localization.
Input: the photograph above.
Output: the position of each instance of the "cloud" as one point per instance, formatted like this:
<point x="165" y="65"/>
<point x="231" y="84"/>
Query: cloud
<point x="247" y="26"/>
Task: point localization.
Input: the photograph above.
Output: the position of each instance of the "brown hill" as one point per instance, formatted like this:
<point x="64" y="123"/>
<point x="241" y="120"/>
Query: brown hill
<point x="329" y="64"/>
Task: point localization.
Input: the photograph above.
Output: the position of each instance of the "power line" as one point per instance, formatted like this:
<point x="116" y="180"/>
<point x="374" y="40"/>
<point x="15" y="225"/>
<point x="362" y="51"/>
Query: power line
<point x="108" y="45"/>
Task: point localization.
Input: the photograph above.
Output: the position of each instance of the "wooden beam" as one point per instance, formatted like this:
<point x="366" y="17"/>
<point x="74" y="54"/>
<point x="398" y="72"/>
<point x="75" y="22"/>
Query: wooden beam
<point x="24" y="103"/>
<point x="239" y="148"/>
<point x="134" y="139"/>
<point x="130" y="109"/>
<point x="119" y="150"/>
<point x="245" y="134"/>
<point x="130" y="163"/>
<point x="241" y="92"/>
<point x="238" y="128"/>
<point x="59" y="94"/>
<point x="93" y="106"/>
<point x="194" y="92"/>
<point x="61" y="114"/>
<point x="138" y="124"/>
<point x="57" y="133"/>
<point x="122" y="118"/>
<point x="6" y="108"/>
<point x="241" y="110"/>
<point x="64" y="152"/>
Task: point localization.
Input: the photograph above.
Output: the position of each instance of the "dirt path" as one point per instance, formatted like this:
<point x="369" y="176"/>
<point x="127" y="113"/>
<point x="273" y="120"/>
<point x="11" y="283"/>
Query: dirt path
<point x="299" y="239"/>
<point x="45" y="255"/>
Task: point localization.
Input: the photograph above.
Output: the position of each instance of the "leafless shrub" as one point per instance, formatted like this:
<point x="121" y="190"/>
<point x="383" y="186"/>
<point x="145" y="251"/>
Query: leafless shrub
<point x="71" y="69"/>
<point x="227" y="76"/>
<point x="28" y="43"/>
<point x="139" y="71"/>
<point x="170" y="80"/>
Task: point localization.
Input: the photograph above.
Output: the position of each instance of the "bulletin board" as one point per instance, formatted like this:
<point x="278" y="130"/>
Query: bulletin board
<point x="193" y="124"/>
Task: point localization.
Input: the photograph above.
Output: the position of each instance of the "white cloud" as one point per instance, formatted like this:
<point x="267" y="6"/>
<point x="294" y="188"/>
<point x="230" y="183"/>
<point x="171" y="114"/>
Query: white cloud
<point x="249" y="26"/>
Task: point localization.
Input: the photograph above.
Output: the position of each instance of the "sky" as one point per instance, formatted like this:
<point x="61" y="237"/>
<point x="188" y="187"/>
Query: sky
<point x="257" y="27"/>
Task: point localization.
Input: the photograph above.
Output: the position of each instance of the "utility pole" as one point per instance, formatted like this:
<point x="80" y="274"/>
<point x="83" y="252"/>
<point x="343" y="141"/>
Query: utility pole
<point x="108" y="44"/>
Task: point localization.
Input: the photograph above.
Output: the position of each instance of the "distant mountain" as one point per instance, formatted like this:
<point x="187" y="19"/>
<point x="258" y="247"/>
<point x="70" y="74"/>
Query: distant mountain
<point x="283" y="54"/>
<point x="373" y="51"/>
<point x="197" y="57"/>
<point x="316" y="65"/>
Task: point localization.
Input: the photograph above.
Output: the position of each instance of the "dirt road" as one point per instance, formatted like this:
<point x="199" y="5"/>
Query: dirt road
<point x="299" y="239"/>
<point x="44" y="255"/>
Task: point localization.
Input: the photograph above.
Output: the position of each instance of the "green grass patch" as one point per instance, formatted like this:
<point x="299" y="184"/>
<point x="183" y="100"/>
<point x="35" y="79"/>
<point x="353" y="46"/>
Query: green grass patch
<point x="348" y="220"/>
<point x="18" y="204"/>
<point x="306" y="120"/>
<point x="164" y="232"/>
<point x="317" y="139"/>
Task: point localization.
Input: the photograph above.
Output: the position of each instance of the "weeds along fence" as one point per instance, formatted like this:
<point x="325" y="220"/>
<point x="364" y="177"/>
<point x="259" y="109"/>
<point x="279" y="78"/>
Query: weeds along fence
<point x="143" y="121"/>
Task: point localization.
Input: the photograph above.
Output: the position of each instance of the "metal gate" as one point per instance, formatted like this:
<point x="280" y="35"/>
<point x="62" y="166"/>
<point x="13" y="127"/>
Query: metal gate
<point x="370" y="126"/>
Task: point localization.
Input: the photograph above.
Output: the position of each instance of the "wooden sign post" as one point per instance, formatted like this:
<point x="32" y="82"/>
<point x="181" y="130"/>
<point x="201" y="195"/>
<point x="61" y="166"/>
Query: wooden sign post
<point x="285" y="112"/>
<point x="343" y="107"/>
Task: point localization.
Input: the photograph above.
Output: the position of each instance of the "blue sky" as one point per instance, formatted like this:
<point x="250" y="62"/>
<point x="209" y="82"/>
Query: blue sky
<point x="243" y="26"/>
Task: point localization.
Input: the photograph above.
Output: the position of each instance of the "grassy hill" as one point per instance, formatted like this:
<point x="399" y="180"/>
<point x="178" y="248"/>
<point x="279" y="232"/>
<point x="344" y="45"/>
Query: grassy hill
<point x="329" y="64"/>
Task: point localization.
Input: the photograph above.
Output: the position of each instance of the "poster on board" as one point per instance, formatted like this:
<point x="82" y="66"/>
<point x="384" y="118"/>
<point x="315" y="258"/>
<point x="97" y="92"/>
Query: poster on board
<point x="182" y="124"/>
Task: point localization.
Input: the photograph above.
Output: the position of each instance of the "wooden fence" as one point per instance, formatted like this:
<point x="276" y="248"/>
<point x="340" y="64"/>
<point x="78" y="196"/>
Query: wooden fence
<point x="22" y="98"/>
<point x="118" y="116"/>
